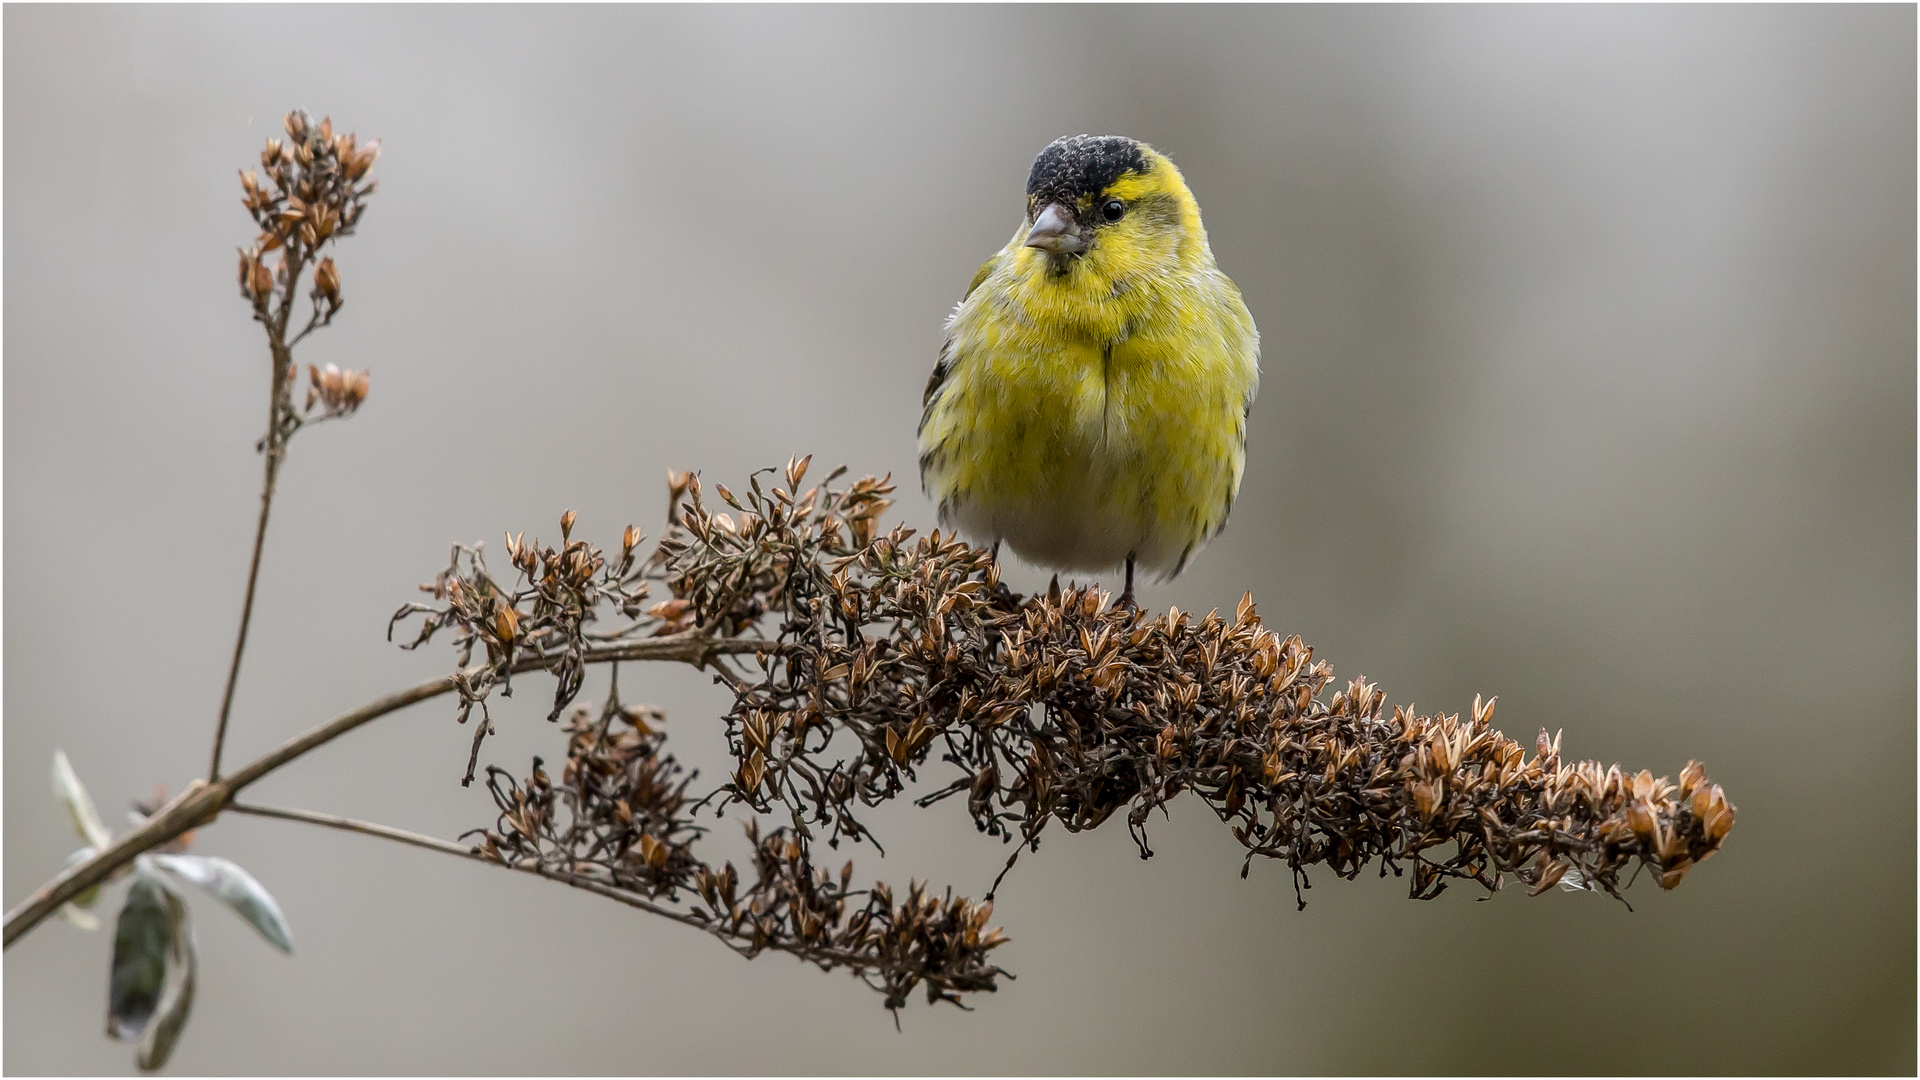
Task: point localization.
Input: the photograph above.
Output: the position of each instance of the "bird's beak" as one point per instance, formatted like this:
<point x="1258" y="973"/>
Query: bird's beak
<point x="1054" y="232"/>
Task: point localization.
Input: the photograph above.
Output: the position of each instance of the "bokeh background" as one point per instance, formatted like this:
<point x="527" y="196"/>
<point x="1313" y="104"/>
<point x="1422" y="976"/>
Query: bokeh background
<point x="1589" y="381"/>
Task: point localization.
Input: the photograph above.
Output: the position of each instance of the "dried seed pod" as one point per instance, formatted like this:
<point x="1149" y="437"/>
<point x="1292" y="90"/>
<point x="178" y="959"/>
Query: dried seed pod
<point x="326" y="281"/>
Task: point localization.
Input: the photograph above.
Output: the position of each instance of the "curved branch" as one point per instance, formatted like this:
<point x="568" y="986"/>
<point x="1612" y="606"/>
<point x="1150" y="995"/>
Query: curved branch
<point x="434" y="843"/>
<point x="201" y="802"/>
<point x="738" y="942"/>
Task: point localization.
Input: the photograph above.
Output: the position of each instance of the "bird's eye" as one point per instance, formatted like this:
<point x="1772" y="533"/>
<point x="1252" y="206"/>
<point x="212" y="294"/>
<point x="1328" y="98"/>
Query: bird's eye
<point x="1113" y="210"/>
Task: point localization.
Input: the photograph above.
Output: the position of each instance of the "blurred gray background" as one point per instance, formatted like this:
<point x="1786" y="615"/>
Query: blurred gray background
<point x="1589" y="382"/>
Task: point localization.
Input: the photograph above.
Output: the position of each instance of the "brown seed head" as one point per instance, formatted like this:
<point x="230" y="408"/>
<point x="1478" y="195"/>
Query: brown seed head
<point x="506" y="624"/>
<point x="326" y="281"/>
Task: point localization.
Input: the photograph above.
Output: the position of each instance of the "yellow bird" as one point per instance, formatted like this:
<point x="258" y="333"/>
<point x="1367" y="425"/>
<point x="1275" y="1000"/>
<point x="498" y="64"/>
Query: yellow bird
<point x="1089" y="407"/>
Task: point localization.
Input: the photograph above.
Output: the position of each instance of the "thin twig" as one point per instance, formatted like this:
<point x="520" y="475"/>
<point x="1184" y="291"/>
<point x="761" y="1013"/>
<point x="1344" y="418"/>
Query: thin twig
<point x="246" y="608"/>
<point x="276" y="451"/>
<point x="434" y="843"/>
<point x="201" y="802"/>
<point x="334" y="821"/>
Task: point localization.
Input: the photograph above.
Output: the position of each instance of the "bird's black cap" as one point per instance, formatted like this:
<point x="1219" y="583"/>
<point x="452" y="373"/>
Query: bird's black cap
<point x="1074" y="167"/>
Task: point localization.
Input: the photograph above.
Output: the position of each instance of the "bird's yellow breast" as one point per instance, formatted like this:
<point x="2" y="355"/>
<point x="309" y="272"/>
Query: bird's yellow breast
<point x="1084" y="429"/>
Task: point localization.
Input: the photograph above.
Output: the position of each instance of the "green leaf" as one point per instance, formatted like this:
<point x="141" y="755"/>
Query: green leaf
<point x="176" y="992"/>
<point x="79" y="805"/>
<point x="141" y="936"/>
<point x="235" y="888"/>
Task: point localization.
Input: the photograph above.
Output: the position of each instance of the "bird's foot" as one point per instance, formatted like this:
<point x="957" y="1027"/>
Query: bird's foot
<point x="1127" y="601"/>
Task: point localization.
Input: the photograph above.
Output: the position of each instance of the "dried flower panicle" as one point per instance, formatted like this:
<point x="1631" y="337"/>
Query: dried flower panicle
<point x="1066" y="708"/>
<point x="618" y="813"/>
<point x="311" y="189"/>
<point x="545" y="618"/>
<point x="545" y="614"/>
<point x="619" y="816"/>
<point x="878" y="657"/>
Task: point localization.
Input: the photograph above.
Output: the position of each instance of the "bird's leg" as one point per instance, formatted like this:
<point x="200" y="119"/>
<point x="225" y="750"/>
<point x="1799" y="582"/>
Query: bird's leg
<point x="1126" y="598"/>
<point x="1000" y="589"/>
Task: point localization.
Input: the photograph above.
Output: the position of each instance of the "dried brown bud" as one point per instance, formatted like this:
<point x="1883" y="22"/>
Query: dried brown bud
<point x="506" y="623"/>
<point x="1719" y="819"/>
<point x="1670" y="877"/>
<point x="566" y="525"/>
<point x="326" y="282"/>
<point x="796" y="471"/>
<point x="1690" y="778"/>
<point x="256" y="281"/>
<point x="1641" y="819"/>
<point x="357" y="163"/>
<point x="342" y="391"/>
<point x="750" y="773"/>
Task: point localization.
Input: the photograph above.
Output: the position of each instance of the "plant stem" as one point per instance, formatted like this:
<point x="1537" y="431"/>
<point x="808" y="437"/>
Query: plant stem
<point x="433" y="843"/>
<point x="738" y="942"/>
<point x="202" y="801"/>
<point x="276" y="451"/>
<point x="246" y="609"/>
<point x="334" y="821"/>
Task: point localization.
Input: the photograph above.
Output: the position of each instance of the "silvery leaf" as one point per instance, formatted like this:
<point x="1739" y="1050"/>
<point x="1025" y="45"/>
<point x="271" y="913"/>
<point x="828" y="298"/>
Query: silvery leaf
<point x="141" y="936"/>
<point x="237" y="889"/>
<point x="85" y="920"/>
<point x="176" y="991"/>
<point x="79" y="805"/>
<point x="90" y="895"/>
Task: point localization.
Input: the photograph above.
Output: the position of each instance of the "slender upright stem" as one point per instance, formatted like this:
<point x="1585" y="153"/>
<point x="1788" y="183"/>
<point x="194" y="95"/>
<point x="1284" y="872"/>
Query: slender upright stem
<point x="278" y="405"/>
<point x="246" y="608"/>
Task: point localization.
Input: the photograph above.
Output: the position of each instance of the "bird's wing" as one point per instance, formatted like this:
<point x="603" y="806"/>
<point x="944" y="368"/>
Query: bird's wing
<point x="980" y="275"/>
<point x="943" y="366"/>
<point x="1243" y="342"/>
